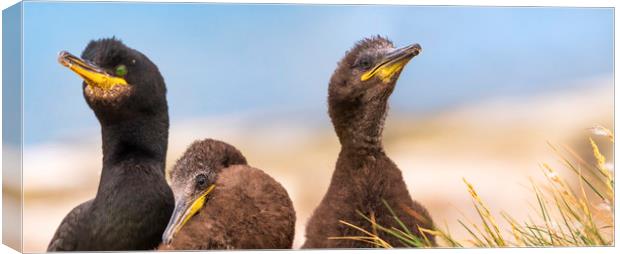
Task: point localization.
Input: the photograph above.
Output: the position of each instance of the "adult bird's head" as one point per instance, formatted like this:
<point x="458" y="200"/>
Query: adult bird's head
<point x="361" y="85"/>
<point x="119" y="83"/>
<point x="193" y="179"/>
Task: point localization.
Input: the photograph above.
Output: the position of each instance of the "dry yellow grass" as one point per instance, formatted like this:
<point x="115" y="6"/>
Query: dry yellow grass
<point x="565" y="214"/>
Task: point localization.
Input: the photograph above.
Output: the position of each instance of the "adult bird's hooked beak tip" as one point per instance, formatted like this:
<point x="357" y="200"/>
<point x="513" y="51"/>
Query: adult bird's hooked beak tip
<point x="62" y="58"/>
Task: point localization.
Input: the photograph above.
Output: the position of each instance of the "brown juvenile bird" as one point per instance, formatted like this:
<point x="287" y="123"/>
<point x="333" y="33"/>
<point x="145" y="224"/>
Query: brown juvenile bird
<point x="222" y="203"/>
<point x="364" y="177"/>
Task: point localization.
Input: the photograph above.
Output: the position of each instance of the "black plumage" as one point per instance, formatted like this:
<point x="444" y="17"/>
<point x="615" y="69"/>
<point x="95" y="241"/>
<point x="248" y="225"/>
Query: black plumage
<point x="223" y="203"/>
<point x="133" y="201"/>
<point x="365" y="176"/>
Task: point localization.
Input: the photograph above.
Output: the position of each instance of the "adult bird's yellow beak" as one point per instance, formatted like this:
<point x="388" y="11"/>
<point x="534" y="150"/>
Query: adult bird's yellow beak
<point x="183" y="211"/>
<point x="392" y="63"/>
<point x="93" y="75"/>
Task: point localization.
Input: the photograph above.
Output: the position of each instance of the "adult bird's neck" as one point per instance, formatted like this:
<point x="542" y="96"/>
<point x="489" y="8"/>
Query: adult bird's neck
<point x="360" y="127"/>
<point x="139" y="140"/>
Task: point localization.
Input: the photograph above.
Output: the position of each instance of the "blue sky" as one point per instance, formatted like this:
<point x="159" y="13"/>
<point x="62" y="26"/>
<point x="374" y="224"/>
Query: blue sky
<point x="220" y="59"/>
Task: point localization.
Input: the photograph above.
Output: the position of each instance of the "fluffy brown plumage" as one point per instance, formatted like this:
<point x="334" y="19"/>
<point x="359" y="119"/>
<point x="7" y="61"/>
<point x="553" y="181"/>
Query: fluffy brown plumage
<point x="364" y="175"/>
<point x="247" y="209"/>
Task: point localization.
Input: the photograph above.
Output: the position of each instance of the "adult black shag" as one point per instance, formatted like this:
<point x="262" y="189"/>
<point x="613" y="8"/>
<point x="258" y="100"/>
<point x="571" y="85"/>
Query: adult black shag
<point x="222" y="203"/>
<point x="364" y="176"/>
<point x="133" y="201"/>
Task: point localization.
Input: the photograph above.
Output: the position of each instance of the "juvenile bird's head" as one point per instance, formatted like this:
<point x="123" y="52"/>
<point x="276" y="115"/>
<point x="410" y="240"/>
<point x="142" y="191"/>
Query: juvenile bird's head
<point x="360" y="87"/>
<point x="193" y="179"/>
<point x="370" y="70"/>
<point x="119" y="83"/>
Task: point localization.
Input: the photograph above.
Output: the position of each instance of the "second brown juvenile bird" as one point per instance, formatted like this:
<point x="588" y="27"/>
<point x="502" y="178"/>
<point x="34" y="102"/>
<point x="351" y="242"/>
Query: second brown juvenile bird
<point x="365" y="176"/>
<point x="223" y="203"/>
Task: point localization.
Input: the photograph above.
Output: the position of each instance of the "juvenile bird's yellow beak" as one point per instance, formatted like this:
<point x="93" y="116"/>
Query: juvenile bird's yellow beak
<point x="392" y="63"/>
<point x="183" y="211"/>
<point x="93" y="75"/>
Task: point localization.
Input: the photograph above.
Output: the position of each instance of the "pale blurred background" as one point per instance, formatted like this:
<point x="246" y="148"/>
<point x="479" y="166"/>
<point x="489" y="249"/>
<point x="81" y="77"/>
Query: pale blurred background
<point x="490" y="89"/>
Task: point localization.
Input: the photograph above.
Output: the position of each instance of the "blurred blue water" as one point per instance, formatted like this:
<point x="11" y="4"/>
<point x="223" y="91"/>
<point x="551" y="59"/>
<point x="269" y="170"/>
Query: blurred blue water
<point x="219" y="59"/>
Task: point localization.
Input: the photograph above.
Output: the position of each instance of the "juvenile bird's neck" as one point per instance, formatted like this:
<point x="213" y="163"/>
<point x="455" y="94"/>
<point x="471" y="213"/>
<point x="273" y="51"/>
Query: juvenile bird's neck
<point x="359" y="126"/>
<point x="139" y="140"/>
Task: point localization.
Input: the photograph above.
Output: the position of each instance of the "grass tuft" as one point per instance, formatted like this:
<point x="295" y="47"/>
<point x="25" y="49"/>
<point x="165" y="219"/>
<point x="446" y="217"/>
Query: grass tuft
<point x="566" y="215"/>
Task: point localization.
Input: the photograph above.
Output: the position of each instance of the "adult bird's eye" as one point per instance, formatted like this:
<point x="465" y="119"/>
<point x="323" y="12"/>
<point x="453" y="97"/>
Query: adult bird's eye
<point x="201" y="181"/>
<point x="121" y="70"/>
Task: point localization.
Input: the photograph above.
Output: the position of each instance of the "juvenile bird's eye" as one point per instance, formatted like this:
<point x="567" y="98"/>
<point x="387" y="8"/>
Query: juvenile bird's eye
<point x="364" y="64"/>
<point x="121" y="70"/>
<point x="201" y="181"/>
